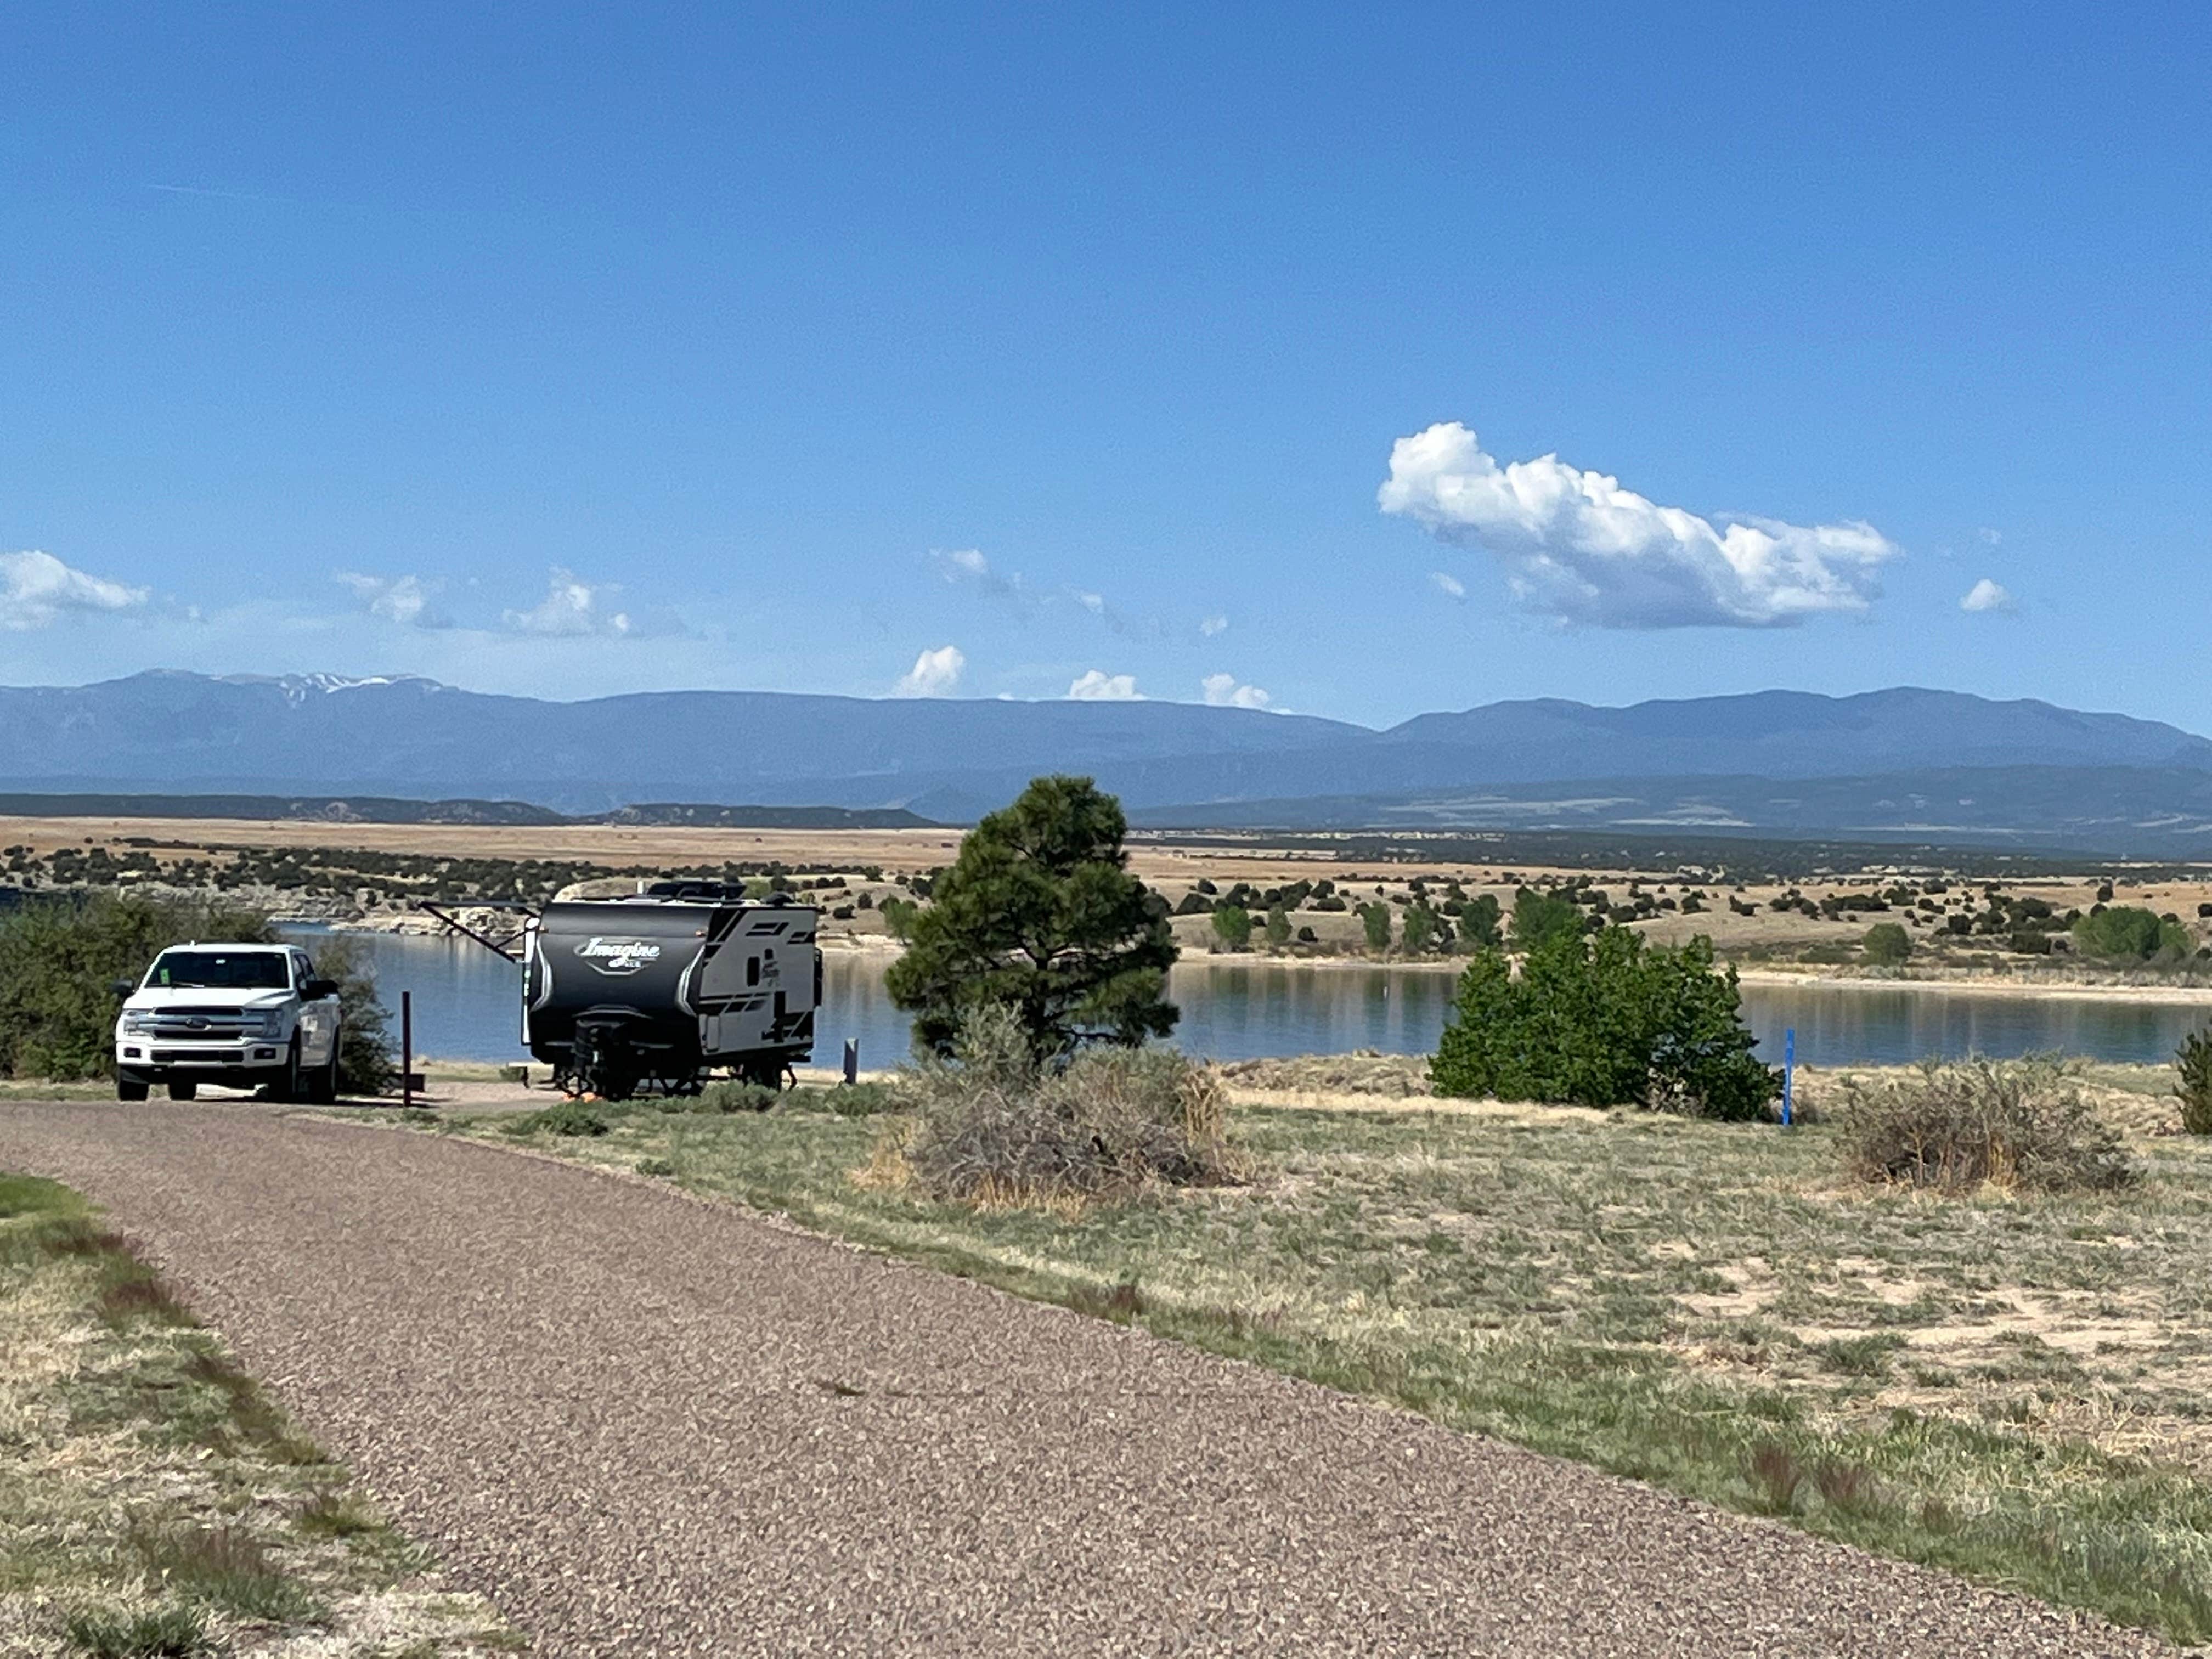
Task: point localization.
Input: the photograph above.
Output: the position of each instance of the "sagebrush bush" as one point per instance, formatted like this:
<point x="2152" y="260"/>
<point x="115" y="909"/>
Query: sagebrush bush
<point x="1954" y="1126"/>
<point x="994" y="1124"/>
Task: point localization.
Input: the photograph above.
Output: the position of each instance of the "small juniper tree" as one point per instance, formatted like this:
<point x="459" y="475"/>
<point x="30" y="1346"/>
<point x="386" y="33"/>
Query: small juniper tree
<point x="1232" y="926"/>
<point x="1279" y="927"/>
<point x="2193" y="1066"/>
<point x="1039" y="913"/>
<point x="1376" y="918"/>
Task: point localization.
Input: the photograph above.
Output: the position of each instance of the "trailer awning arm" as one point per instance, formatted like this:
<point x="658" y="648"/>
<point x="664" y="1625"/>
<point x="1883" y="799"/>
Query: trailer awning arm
<point x="497" y="947"/>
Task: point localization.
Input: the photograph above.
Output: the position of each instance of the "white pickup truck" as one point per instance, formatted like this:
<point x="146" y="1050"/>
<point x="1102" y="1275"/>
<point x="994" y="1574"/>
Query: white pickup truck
<point x="249" y="1016"/>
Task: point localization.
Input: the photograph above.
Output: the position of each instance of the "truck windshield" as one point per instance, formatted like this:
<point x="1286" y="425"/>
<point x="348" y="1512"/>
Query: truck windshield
<point x="244" y="971"/>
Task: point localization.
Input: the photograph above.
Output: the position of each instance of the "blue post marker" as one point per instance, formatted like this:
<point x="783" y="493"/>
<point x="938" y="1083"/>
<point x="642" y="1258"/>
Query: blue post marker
<point x="1789" y="1066"/>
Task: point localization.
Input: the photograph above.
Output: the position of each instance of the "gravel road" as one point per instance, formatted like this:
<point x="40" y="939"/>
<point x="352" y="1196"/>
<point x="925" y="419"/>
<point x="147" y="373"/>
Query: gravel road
<point x="644" y="1426"/>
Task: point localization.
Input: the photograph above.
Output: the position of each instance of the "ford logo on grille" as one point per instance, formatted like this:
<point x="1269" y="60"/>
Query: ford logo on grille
<point x="196" y="1024"/>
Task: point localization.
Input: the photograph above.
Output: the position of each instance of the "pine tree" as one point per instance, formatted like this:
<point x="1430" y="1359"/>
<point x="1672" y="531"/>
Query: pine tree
<point x="1040" y="915"/>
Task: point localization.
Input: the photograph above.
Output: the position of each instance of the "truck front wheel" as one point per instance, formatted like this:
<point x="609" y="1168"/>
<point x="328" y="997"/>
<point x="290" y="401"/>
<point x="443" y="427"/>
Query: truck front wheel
<point x="132" y="1089"/>
<point x="322" y="1082"/>
<point x="183" y="1089"/>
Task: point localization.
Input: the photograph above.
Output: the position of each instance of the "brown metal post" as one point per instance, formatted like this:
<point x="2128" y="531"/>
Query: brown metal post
<point x="407" y="1050"/>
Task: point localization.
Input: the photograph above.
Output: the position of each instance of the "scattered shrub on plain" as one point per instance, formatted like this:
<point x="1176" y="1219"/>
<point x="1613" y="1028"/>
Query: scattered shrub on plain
<point x="1888" y="944"/>
<point x="2192" y="1087"/>
<point x="1953" y="1127"/>
<point x="2127" y="933"/>
<point x="994" y="1124"/>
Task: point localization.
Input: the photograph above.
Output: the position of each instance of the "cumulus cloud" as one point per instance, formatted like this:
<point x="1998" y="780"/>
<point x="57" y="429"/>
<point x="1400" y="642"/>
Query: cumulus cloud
<point x="1578" y="547"/>
<point x="1223" y="691"/>
<point x="402" y="599"/>
<point x="934" y="674"/>
<point x="1449" y="585"/>
<point x="1210" y="626"/>
<point x="1986" y="595"/>
<point x="1095" y="685"/>
<point x="571" y="607"/>
<point x="36" y="589"/>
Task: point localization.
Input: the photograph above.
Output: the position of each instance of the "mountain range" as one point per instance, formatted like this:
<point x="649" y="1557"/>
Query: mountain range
<point x="1907" y="763"/>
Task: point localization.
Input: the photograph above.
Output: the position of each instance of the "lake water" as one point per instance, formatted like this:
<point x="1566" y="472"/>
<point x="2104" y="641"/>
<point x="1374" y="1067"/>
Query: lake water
<point x="466" y="1008"/>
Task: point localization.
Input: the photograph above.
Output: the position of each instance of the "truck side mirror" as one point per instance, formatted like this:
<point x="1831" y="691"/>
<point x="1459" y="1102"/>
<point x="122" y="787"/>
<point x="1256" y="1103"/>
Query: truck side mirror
<point x="315" y="990"/>
<point x="123" y="987"/>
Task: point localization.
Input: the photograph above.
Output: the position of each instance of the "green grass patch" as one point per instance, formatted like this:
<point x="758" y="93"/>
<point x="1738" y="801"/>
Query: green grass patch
<point x="155" y="1499"/>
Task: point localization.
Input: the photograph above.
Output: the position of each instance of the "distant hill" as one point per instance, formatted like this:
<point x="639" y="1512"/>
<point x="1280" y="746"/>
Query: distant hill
<point x="376" y="808"/>
<point x="1904" y="761"/>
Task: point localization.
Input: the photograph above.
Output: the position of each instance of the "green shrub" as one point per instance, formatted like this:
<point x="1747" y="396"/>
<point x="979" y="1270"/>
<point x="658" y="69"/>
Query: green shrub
<point x="1540" y="918"/>
<point x="366" y="1064"/>
<point x="1953" y="1127"/>
<point x="1375" y="920"/>
<point x="1605" y="1020"/>
<point x="2192" y="1087"/>
<point x="1481" y="920"/>
<point x="567" y="1117"/>
<point x="859" y="1099"/>
<point x="1232" y="926"/>
<point x="727" y="1098"/>
<point x="60" y="959"/>
<point x="2126" y="933"/>
<point x="994" y="1124"/>
<point x="1279" y="927"/>
<point x="1888" y="944"/>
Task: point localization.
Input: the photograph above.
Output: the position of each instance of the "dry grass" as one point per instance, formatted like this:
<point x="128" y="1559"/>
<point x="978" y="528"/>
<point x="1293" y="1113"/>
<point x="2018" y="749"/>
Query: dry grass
<point x="2022" y="1124"/>
<point x="154" y="1499"/>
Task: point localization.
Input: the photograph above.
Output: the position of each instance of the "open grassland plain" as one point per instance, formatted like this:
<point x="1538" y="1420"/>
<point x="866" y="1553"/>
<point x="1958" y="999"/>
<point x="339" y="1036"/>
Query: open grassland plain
<point x="2008" y="927"/>
<point x="153" y="1499"/>
<point x="2012" y="1387"/>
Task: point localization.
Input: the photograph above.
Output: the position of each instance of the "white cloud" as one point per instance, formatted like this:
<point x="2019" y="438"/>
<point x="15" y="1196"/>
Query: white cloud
<point x="1449" y="585"/>
<point x="1986" y="595"/>
<point x="1094" y="603"/>
<point x="402" y="599"/>
<point x="1578" y="547"/>
<point x="1210" y="626"/>
<point x="964" y="562"/>
<point x="1990" y="538"/>
<point x="571" y="607"/>
<point x="37" y="588"/>
<point x="934" y="674"/>
<point x="1223" y="691"/>
<point x="1096" y="686"/>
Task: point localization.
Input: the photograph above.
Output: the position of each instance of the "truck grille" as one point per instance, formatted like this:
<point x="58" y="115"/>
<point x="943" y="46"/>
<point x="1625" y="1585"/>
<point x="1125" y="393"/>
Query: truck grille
<point x="200" y="1025"/>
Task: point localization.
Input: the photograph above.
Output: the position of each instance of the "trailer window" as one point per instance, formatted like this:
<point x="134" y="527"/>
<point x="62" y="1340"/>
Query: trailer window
<point x="752" y="971"/>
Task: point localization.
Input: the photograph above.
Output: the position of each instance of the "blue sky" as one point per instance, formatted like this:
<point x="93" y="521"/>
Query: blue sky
<point x="545" y="349"/>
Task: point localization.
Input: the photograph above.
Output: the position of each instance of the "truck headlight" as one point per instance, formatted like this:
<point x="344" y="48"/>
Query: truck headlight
<point x="272" y="1023"/>
<point x="136" y="1021"/>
